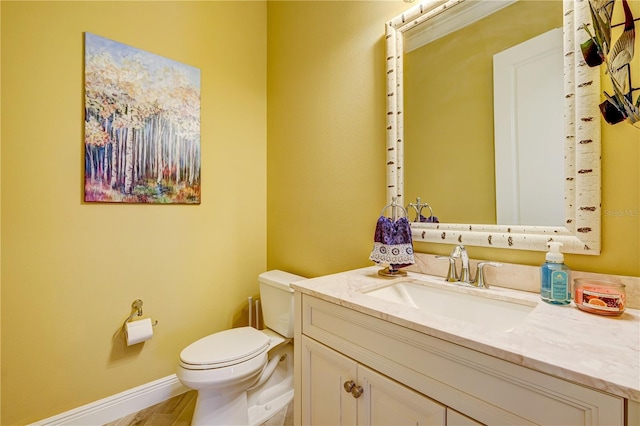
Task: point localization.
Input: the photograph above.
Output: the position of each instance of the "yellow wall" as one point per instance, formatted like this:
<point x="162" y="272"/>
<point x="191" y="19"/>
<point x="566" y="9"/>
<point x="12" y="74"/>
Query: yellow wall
<point x="71" y="270"/>
<point x="326" y="154"/>
<point x="326" y="132"/>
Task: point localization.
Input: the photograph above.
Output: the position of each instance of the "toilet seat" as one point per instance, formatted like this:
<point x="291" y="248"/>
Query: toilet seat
<point x="224" y="349"/>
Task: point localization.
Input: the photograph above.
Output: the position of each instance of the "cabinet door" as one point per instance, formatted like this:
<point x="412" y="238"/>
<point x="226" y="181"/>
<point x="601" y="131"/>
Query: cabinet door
<point x="386" y="402"/>
<point x="324" y="372"/>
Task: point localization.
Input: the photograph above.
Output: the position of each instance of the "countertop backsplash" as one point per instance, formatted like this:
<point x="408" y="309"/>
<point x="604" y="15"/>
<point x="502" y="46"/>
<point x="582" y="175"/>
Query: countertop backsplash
<point x="522" y="277"/>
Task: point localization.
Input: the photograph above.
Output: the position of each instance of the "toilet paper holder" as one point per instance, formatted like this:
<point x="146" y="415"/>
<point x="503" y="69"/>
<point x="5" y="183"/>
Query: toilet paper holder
<point x="136" y="309"/>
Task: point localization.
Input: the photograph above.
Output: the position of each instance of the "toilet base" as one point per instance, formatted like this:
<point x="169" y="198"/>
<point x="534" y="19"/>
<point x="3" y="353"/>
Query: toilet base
<point x="212" y="408"/>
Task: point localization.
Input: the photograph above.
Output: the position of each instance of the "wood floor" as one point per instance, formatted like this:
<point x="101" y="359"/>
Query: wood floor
<point x="176" y="411"/>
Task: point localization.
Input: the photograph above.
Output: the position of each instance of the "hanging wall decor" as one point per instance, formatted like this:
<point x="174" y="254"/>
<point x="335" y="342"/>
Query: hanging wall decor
<point x="142" y="126"/>
<point x="612" y="45"/>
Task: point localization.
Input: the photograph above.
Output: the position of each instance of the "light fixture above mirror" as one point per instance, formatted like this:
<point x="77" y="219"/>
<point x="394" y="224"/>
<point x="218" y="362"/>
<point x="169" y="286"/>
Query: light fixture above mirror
<point x="581" y="230"/>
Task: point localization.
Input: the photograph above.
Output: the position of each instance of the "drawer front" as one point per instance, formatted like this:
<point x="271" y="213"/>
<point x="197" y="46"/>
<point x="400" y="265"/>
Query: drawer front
<point x="482" y="387"/>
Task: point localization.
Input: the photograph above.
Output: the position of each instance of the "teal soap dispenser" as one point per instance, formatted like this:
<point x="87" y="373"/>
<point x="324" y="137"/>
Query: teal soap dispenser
<point x="554" y="277"/>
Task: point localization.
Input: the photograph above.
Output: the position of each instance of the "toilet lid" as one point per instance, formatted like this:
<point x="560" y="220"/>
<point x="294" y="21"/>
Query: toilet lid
<point x="225" y="348"/>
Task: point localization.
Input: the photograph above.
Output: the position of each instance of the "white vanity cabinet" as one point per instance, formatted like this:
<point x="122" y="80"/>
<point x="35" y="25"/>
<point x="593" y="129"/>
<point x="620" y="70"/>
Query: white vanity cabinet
<point x="408" y="375"/>
<point x="339" y="391"/>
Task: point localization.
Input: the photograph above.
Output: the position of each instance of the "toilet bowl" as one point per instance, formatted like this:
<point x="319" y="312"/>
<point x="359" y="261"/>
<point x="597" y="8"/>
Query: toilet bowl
<point x="244" y="376"/>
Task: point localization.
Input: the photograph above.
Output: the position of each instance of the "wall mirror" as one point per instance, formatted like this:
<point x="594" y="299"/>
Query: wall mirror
<point x="412" y="147"/>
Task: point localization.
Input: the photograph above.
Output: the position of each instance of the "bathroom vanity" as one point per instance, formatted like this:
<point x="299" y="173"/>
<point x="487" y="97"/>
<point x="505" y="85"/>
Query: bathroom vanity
<point x="368" y="353"/>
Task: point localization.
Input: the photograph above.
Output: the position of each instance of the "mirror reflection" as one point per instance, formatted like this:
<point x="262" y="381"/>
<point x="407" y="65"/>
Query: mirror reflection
<point x="450" y="139"/>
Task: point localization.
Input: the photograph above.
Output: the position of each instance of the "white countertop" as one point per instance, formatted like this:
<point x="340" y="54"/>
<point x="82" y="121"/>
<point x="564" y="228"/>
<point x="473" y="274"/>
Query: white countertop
<point x="563" y="341"/>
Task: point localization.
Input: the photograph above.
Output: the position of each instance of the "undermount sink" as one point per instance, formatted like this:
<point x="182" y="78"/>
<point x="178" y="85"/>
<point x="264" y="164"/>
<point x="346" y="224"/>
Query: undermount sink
<point x="465" y="304"/>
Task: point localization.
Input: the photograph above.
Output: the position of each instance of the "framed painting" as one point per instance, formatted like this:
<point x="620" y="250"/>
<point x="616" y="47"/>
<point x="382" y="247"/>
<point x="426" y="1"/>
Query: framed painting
<point x="142" y="126"/>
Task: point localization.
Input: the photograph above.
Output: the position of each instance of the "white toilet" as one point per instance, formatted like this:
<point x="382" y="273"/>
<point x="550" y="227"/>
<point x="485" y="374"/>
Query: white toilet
<point x="244" y="376"/>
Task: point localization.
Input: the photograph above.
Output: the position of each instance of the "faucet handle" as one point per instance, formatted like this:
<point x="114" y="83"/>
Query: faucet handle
<point x="452" y="274"/>
<point x="479" y="280"/>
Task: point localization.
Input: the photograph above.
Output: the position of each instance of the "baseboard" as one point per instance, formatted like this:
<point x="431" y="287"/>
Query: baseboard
<point x="120" y="405"/>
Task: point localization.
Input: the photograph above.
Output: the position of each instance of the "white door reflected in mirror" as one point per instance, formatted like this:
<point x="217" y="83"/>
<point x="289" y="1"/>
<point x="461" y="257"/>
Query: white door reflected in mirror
<point x="529" y="133"/>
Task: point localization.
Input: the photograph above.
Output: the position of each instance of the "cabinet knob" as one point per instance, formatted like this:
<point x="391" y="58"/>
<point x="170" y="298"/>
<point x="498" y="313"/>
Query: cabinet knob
<point x="357" y="391"/>
<point x="349" y="385"/>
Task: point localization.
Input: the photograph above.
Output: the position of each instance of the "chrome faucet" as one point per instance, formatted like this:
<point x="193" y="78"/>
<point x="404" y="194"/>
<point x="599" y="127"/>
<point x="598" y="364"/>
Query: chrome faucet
<point x="480" y="281"/>
<point x="460" y="252"/>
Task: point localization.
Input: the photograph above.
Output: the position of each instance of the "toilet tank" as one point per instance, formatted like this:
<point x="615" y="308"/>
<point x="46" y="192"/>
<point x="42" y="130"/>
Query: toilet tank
<point x="277" y="300"/>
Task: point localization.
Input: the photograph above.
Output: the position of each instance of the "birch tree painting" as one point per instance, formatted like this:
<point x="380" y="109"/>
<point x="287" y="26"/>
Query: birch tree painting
<point x="142" y="126"/>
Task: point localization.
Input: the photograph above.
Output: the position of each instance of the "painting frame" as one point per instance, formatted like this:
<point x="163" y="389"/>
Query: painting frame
<point x="141" y="126"/>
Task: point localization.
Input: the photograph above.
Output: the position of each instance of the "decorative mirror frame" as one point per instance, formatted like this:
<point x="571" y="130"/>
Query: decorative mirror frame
<point x="581" y="231"/>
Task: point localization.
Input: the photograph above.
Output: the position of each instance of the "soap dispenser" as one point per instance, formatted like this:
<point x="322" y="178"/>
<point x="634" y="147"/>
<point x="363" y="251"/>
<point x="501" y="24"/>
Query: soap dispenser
<point x="554" y="277"/>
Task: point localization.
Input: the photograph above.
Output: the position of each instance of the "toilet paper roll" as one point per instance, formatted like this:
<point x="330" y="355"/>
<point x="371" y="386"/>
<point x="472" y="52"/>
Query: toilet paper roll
<point x="138" y="331"/>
